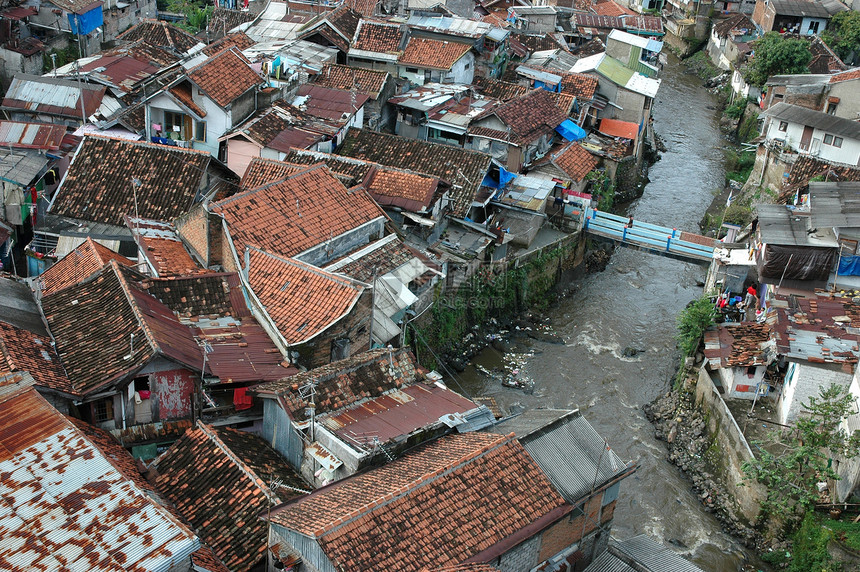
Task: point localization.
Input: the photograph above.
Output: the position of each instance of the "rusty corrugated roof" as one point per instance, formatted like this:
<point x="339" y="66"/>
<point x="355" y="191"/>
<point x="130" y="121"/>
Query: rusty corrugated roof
<point x="64" y="506"/>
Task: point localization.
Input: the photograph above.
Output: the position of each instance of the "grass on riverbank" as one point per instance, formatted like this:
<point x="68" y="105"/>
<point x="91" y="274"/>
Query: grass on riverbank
<point x="700" y="64"/>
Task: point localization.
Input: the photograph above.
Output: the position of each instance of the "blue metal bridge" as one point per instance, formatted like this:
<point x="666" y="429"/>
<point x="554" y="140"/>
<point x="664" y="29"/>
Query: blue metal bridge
<point x="661" y="240"/>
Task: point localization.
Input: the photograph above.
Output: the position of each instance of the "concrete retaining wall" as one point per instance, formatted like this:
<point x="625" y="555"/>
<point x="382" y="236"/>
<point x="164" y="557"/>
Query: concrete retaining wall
<point x="731" y="444"/>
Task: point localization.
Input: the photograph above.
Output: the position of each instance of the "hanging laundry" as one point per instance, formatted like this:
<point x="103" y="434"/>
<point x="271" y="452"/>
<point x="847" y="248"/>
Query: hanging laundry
<point x="51" y="177"/>
<point x="14" y="199"/>
<point x="241" y="399"/>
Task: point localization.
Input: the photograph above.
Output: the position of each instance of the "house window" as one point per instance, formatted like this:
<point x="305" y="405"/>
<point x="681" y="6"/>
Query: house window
<point x="467" y="66"/>
<point x="813" y="28"/>
<point x="831" y="108"/>
<point x="411" y="70"/>
<point x="832" y="140"/>
<point x="200" y="131"/>
<point x="174" y="125"/>
<point x="783" y="125"/>
<point x="103" y="410"/>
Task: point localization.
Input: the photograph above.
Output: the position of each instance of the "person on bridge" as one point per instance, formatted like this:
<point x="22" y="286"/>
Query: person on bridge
<point x="630" y="222"/>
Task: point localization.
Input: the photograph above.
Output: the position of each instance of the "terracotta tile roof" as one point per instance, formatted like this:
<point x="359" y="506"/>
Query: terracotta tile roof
<point x="183" y="93"/>
<point x="202" y="295"/>
<point x="98" y="182"/>
<point x="140" y="50"/>
<point x="530" y="116"/>
<point x="237" y="40"/>
<point x="610" y="8"/>
<point x="220" y="480"/>
<point x="282" y="126"/>
<point x="824" y="60"/>
<point x="338" y="76"/>
<point x="298" y="213"/>
<point x="205" y="558"/>
<point x="501" y="90"/>
<point x="79" y="264"/>
<point x="581" y="85"/>
<point x="845" y="76"/>
<point x="380" y="37"/>
<point x="723" y="27"/>
<point x="76" y="6"/>
<point x="806" y="167"/>
<point x="211" y="76"/>
<point x="162" y="247"/>
<point x="591" y="47"/>
<point x="575" y="161"/>
<point x="92" y="324"/>
<point x="739" y="344"/>
<point x="364" y="7"/>
<point x="405" y="189"/>
<point x="21" y="350"/>
<point x="302" y="300"/>
<point x="345" y="20"/>
<point x="435" y="54"/>
<point x="223" y="20"/>
<point x="264" y="171"/>
<point x="344" y="383"/>
<point x="371" y="521"/>
<point x="334" y="105"/>
<point x="617" y="128"/>
<point x="118" y="456"/>
<point x="350" y="171"/>
<point x="463" y="568"/>
<point x="160" y="34"/>
<point x="540" y="42"/>
<point x="337" y="26"/>
<point x="463" y="169"/>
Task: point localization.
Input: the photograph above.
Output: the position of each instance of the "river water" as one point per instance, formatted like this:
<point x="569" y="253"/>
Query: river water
<point x="634" y="303"/>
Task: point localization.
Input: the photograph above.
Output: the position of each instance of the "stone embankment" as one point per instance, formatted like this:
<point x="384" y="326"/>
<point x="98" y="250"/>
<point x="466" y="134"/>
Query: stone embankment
<point x="679" y="423"/>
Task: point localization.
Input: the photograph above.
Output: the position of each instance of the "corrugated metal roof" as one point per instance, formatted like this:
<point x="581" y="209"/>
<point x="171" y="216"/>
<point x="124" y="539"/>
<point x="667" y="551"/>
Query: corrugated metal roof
<point x="397" y="413"/>
<point x="52" y="96"/>
<point x="31" y="135"/>
<point x="653" y="556"/>
<point x="22" y="166"/>
<point x="780" y="225"/>
<point x="834" y="204"/>
<point x="568" y="449"/>
<point x="818" y="119"/>
<point x="607" y="562"/>
<point x="65" y="506"/>
<point x="449" y="25"/>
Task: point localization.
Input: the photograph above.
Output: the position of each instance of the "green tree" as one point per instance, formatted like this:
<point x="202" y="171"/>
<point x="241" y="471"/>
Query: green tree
<point x="774" y="54"/>
<point x="843" y="34"/>
<point x="794" y="461"/>
<point x="692" y="323"/>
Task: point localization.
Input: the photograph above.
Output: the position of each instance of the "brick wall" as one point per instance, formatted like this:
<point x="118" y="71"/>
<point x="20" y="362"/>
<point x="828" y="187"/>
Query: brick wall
<point x="192" y="227"/>
<point x="355" y="327"/>
<point x="763" y="15"/>
<point x="567" y="531"/>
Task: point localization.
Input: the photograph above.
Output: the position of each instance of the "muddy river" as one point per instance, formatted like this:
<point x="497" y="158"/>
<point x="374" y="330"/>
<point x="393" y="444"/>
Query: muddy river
<point x="633" y="303"/>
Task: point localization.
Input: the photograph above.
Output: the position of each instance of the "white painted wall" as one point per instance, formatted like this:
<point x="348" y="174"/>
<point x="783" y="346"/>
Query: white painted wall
<point x="849" y="153"/>
<point x="218" y="120"/>
<point x="802" y="381"/>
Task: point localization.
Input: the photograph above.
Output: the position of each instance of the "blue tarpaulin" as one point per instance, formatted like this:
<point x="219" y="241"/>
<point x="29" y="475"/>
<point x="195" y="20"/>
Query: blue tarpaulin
<point x="849" y="266"/>
<point x="570" y="130"/>
<point x="504" y="178"/>
<point x="89" y="21"/>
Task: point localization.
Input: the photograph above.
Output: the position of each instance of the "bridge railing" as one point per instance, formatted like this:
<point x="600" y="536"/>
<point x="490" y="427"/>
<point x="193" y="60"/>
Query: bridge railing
<point x="643" y="233"/>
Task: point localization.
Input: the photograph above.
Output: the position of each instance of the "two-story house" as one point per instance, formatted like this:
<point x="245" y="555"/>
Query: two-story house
<point x="201" y="106"/>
